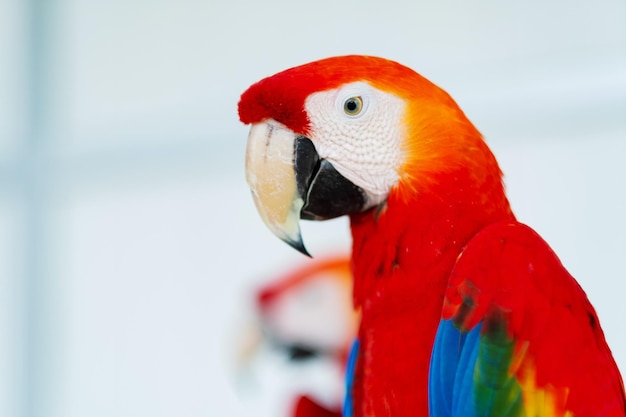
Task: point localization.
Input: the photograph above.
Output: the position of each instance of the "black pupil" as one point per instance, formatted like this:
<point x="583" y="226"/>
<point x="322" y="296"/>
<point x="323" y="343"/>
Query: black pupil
<point x="351" y="105"/>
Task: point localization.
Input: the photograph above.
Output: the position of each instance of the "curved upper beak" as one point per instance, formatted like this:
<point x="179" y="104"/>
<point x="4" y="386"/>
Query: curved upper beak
<point x="270" y="173"/>
<point x="290" y="181"/>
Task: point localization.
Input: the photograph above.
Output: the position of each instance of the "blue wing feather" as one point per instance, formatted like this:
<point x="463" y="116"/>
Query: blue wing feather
<point x="451" y="388"/>
<point x="442" y="371"/>
<point x="350" y="370"/>
<point x="469" y="372"/>
<point x="463" y="392"/>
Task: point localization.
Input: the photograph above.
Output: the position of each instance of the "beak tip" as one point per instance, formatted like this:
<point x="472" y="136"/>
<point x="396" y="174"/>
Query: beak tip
<point x="299" y="246"/>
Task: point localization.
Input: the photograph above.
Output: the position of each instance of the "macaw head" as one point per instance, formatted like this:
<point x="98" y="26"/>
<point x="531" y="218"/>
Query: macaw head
<point x="346" y="134"/>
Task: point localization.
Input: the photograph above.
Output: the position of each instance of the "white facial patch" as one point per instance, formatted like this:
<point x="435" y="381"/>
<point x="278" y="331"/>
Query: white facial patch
<point x="363" y="145"/>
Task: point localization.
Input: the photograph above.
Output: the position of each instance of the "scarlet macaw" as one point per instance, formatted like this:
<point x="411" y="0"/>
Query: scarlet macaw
<point x="464" y="310"/>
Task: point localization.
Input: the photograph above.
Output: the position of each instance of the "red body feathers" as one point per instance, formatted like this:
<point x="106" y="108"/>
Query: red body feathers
<point x="444" y="258"/>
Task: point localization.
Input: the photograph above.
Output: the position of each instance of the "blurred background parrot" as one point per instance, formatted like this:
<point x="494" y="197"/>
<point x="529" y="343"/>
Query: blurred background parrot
<point x="464" y="310"/>
<point x="295" y="350"/>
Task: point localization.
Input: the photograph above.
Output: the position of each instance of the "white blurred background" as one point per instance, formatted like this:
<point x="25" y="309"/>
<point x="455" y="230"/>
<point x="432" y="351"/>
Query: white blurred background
<point x="128" y="241"/>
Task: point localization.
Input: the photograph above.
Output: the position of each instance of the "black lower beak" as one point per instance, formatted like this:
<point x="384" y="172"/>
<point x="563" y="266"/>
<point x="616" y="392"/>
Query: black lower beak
<point x="326" y="193"/>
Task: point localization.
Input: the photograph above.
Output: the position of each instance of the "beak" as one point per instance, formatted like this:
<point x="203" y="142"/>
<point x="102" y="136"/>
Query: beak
<point x="290" y="181"/>
<point x="270" y="172"/>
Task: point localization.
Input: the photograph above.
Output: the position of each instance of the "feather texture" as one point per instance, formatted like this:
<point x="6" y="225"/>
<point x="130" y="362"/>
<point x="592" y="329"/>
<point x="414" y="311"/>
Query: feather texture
<point x="464" y="311"/>
<point x="518" y="336"/>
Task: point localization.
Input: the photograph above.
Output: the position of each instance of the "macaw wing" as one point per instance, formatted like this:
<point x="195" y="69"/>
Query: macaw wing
<point x="518" y="336"/>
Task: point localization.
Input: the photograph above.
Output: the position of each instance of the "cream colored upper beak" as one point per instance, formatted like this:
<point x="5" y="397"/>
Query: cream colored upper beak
<point x="272" y="180"/>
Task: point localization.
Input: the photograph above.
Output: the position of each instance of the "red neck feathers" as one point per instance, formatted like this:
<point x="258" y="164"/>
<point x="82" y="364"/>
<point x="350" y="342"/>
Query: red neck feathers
<point x="450" y="188"/>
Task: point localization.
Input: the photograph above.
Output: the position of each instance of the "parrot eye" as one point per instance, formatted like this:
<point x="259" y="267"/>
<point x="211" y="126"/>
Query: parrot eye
<point x="353" y="106"/>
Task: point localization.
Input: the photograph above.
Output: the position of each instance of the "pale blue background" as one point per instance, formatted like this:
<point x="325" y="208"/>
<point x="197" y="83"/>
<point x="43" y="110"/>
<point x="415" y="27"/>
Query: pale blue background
<point x="128" y="240"/>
